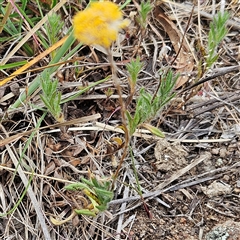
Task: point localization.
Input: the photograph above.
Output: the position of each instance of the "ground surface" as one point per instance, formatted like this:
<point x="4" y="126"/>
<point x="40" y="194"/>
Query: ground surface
<point x="190" y="180"/>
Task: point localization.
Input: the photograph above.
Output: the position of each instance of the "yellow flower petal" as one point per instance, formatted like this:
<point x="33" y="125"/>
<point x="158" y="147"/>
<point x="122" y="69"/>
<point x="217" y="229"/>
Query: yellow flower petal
<point x="99" y="24"/>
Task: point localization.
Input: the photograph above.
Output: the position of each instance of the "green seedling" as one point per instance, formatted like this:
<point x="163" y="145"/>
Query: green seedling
<point x="149" y="105"/>
<point x="97" y="192"/>
<point x="134" y="68"/>
<point x="53" y="28"/>
<point x="145" y="9"/>
<point x="216" y="34"/>
<point x="210" y="54"/>
<point x="51" y="97"/>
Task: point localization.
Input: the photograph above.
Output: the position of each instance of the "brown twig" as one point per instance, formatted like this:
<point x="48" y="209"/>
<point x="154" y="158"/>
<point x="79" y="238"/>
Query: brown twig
<point x="217" y="73"/>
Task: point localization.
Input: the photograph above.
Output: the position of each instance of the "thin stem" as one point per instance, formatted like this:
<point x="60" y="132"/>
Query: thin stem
<point x="123" y="110"/>
<point x="6" y="16"/>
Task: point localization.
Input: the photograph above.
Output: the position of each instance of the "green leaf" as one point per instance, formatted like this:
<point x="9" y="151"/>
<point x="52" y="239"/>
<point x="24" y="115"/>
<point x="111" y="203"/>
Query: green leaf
<point x="153" y="130"/>
<point x="104" y="195"/>
<point x="145" y="9"/>
<point x="216" y="34"/>
<point x="134" y="68"/>
<point x="85" y="212"/>
<point x="87" y="182"/>
<point x="13" y="65"/>
<point x="75" y="186"/>
<point x="46" y="103"/>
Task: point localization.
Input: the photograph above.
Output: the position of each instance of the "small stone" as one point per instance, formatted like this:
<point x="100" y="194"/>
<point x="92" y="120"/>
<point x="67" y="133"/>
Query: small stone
<point x="226" y="178"/>
<point x="215" y="151"/>
<point x="178" y="195"/>
<point x="219" y="162"/>
<point x="143" y="233"/>
<point x="238" y="183"/>
<point x="183" y="220"/>
<point x="216" y="189"/>
<point x="162" y="222"/>
<point x="131" y="233"/>
<point x="236" y="190"/>
<point x="223" y="152"/>
<point x="228" y="230"/>
<point x="232" y="147"/>
<point x="185" y="208"/>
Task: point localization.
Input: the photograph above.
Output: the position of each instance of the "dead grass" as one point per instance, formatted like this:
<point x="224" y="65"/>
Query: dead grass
<point x="51" y="155"/>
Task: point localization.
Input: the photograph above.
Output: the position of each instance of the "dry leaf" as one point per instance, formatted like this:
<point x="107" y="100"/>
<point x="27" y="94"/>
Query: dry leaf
<point x="185" y="62"/>
<point x="75" y="162"/>
<point x="50" y="168"/>
<point x="57" y="222"/>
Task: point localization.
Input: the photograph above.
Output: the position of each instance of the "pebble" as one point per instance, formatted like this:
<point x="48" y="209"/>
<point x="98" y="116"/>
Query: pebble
<point x="215" y="151"/>
<point x="223" y="152"/>
<point x="236" y="190"/>
<point x="226" y="178"/>
<point x="219" y="162"/>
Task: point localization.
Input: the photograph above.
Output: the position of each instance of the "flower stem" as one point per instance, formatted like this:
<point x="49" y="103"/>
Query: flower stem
<point x="123" y="110"/>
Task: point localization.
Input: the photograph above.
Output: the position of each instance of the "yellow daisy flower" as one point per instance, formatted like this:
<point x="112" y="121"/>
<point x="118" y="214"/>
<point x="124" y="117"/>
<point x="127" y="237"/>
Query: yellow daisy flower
<point x="99" y="24"/>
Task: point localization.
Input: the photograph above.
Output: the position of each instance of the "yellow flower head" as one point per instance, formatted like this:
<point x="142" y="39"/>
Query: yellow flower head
<point x="99" y="24"/>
